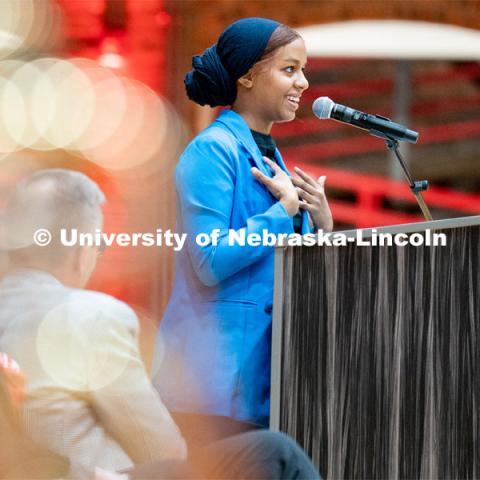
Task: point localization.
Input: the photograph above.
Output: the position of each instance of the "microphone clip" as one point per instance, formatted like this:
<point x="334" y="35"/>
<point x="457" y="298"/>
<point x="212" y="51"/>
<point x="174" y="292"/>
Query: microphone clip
<point x="419" y="186"/>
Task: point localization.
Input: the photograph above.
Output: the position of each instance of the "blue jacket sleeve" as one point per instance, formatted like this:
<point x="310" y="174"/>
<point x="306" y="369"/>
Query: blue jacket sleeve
<point x="205" y="180"/>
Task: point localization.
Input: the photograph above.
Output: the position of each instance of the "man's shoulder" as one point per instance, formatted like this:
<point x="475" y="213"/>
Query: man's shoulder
<point x="87" y="340"/>
<point x="100" y="307"/>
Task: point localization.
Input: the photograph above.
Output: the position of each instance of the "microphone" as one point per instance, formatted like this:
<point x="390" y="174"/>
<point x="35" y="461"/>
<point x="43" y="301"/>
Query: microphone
<point x="376" y="125"/>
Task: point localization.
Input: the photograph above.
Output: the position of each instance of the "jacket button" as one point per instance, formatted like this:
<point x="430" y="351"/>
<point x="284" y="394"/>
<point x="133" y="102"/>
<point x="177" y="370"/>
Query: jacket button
<point x="268" y="308"/>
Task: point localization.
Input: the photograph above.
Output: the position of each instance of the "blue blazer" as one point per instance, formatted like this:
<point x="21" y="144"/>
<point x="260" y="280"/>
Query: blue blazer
<point x="214" y="343"/>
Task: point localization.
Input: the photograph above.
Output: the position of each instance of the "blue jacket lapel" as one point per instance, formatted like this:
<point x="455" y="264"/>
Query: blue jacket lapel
<point x="239" y="128"/>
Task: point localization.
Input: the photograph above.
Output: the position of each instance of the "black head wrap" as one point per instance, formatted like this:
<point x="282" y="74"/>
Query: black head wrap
<point x="213" y="80"/>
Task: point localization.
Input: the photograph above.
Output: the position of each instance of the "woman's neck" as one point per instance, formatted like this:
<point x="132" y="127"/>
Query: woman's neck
<point x="252" y="120"/>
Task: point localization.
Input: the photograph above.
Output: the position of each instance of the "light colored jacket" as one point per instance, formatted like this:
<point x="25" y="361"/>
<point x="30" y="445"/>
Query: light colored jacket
<point x="213" y="346"/>
<point x="88" y="394"/>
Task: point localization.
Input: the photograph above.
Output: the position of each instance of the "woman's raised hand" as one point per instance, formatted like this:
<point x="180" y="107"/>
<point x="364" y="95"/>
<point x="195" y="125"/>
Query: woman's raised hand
<point x="280" y="186"/>
<point x="312" y="198"/>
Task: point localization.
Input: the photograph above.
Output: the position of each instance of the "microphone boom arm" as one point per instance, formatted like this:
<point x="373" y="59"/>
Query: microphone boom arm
<point x="418" y="186"/>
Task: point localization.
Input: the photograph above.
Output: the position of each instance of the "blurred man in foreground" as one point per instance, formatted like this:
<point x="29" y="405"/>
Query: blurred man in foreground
<point x="88" y="395"/>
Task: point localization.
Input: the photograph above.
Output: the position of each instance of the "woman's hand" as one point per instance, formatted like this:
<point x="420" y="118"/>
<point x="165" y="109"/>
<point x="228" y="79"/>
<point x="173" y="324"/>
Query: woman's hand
<point x="312" y="198"/>
<point x="280" y="186"/>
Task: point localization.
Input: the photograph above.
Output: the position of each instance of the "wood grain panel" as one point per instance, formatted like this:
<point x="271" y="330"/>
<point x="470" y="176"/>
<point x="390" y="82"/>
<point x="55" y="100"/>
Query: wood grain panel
<point x="381" y="358"/>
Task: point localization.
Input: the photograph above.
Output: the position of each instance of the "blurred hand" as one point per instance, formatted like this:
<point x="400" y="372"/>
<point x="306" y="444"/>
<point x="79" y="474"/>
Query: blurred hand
<point x="15" y="379"/>
<point x="312" y="198"/>
<point x="280" y="186"/>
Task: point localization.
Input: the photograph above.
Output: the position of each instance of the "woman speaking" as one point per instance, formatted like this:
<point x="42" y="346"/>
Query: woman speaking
<point x="213" y="347"/>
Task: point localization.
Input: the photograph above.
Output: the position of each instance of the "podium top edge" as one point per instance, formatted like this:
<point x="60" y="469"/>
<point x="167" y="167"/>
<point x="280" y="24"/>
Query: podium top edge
<point x="419" y="226"/>
<point x="410" y="227"/>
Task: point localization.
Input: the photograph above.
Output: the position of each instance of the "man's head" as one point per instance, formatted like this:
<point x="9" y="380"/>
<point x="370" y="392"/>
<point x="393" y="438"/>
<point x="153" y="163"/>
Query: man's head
<point x="54" y="199"/>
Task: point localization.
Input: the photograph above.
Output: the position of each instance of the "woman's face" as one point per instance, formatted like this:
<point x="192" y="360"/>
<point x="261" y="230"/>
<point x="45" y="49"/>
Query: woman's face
<point x="277" y="86"/>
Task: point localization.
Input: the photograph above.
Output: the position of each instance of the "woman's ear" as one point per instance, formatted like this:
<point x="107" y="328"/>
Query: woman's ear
<point x="246" y="81"/>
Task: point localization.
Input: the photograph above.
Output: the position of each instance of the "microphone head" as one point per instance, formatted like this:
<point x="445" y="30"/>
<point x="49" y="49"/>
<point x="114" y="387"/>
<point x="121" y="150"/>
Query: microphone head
<point x="411" y="136"/>
<point x="322" y="107"/>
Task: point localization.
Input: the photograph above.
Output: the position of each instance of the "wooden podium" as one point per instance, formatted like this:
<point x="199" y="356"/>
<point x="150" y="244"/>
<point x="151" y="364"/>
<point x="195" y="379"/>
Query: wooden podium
<point x="376" y="354"/>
